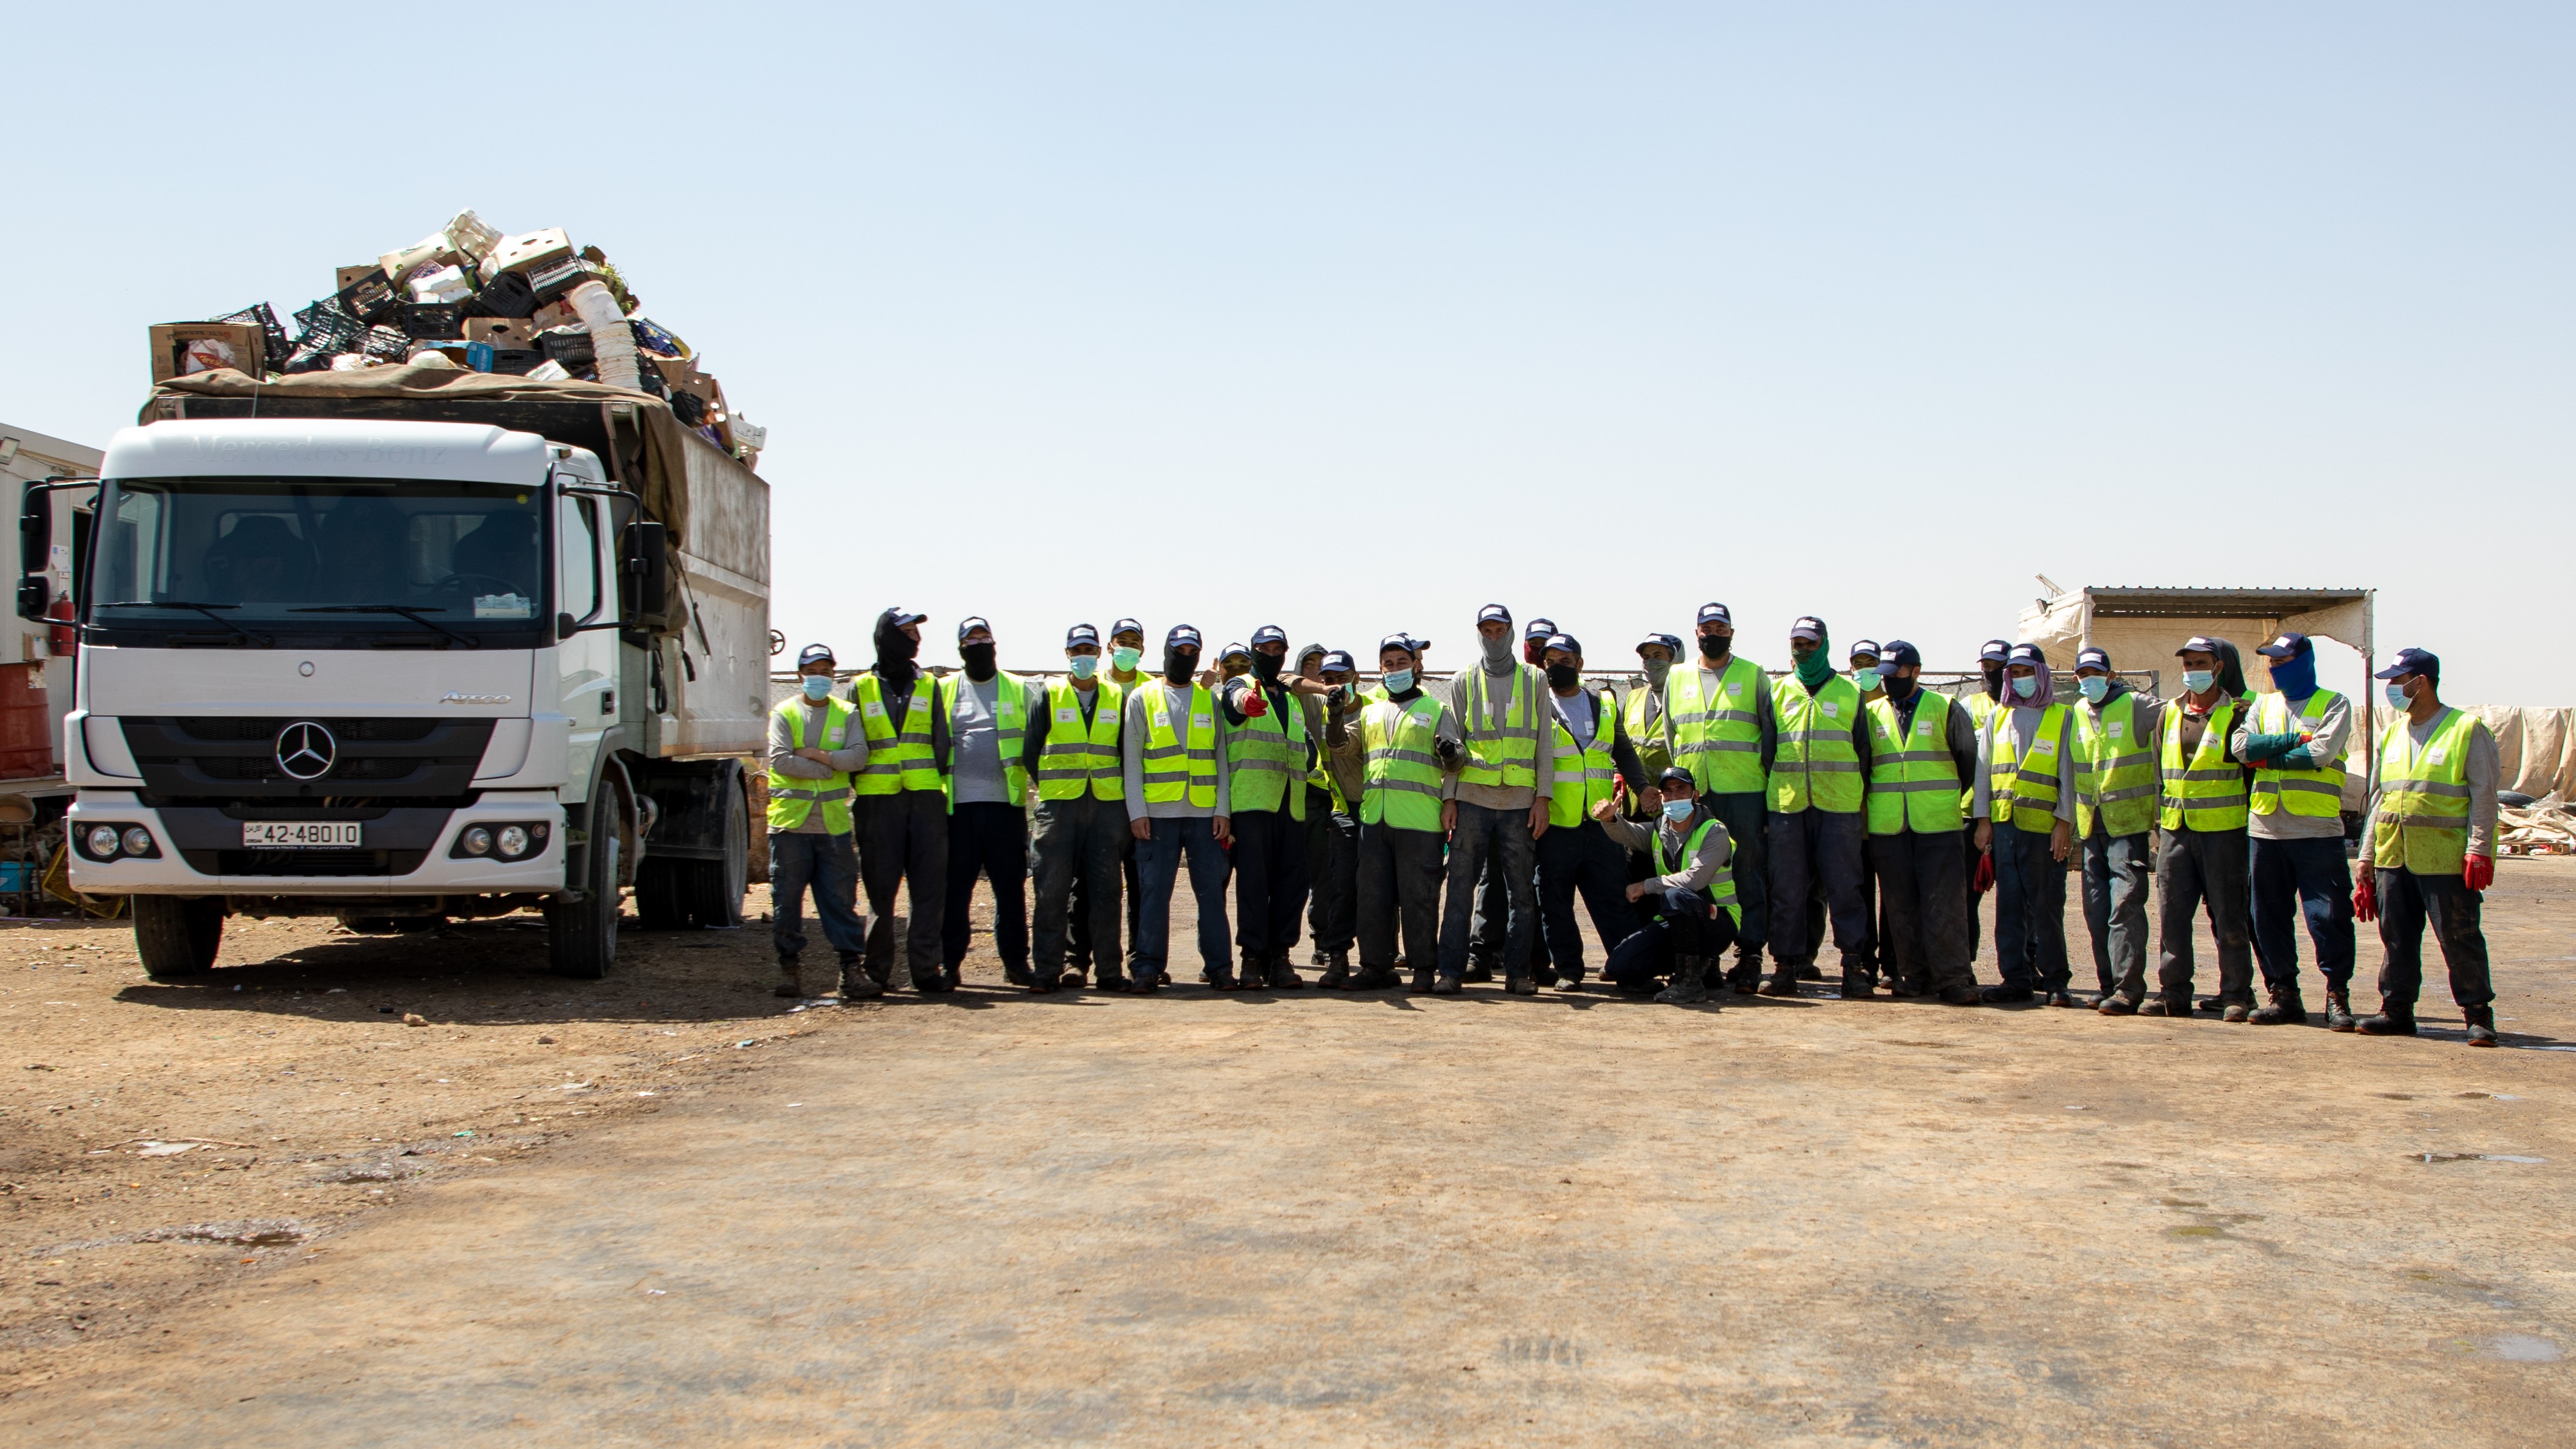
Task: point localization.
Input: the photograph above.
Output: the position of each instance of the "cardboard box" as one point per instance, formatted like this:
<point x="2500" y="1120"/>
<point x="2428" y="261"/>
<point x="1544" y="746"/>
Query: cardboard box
<point x="505" y="333"/>
<point x="347" y="277"/>
<point x="237" y="345"/>
<point x="528" y="249"/>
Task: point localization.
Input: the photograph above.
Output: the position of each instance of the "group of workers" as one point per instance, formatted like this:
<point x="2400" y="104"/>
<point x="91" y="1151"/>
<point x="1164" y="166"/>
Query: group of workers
<point x="1714" y="808"/>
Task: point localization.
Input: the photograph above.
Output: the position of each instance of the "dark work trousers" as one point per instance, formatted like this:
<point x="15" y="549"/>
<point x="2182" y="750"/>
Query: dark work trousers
<point x="1493" y="915"/>
<point x="1504" y="836"/>
<point x="1582" y="858"/>
<point x="1269" y="882"/>
<point x="2115" y="910"/>
<point x="2294" y="878"/>
<point x="2407" y="904"/>
<point x="1158" y="869"/>
<point x="1970" y="855"/>
<point x="829" y="865"/>
<point x="903" y="840"/>
<point x="988" y="838"/>
<point x="1926" y="944"/>
<point x="1748" y="835"/>
<point x="1332" y="875"/>
<point x="1399" y="878"/>
<point x="1078" y="840"/>
<point x="2193" y="868"/>
<point x="1078" y="952"/>
<point x="1805" y="846"/>
<point x="2030" y="906"/>
<point x="1685" y="924"/>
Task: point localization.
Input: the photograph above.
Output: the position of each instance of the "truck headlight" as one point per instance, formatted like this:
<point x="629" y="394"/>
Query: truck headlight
<point x="102" y="841"/>
<point x="476" y="840"/>
<point x="514" y="841"/>
<point x="510" y="840"/>
<point x="138" y="841"/>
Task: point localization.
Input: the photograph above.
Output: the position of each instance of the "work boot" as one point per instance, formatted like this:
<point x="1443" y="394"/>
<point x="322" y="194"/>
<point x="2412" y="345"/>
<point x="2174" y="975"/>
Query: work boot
<point x="1284" y="977"/>
<point x="2481" y="1021"/>
<point x="1478" y="970"/>
<point x="2067" y="999"/>
<point x="790" y="982"/>
<point x="1807" y="970"/>
<point x="1544" y="973"/>
<point x="1904" y="990"/>
<point x="1962" y="996"/>
<point x="1783" y="982"/>
<point x="1857" y="985"/>
<point x="2284" y="1009"/>
<point x="2237" y="1011"/>
<point x="1520" y="986"/>
<point x="1746" y="978"/>
<point x="2394" y="1018"/>
<point x="2173" y="1004"/>
<point x="1041" y="983"/>
<point x="1376" y="978"/>
<point x="1018" y="976"/>
<point x="2115" y="1004"/>
<point x="2005" y="994"/>
<point x="1689" y="988"/>
<point x="1449" y="985"/>
<point x="1337" y="971"/>
<point x="856" y="983"/>
<point x="2338" y="1010"/>
<point x="2213" y="1004"/>
<point x="1570" y="980"/>
<point x="1421" y="982"/>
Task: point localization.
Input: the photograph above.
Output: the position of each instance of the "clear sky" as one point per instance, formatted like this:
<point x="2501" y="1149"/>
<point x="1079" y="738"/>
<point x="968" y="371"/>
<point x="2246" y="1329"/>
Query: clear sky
<point x="1353" y="318"/>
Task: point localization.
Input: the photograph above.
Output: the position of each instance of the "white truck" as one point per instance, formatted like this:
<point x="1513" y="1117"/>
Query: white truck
<point x="410" y="645"/>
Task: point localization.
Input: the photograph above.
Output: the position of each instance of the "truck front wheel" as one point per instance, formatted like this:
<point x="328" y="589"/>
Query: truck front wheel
<point x="177" y="937"/>
<point x="581" y="936"/>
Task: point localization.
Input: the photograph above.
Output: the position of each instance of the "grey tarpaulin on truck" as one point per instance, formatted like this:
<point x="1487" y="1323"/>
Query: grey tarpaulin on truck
<point x="566" y="411"/>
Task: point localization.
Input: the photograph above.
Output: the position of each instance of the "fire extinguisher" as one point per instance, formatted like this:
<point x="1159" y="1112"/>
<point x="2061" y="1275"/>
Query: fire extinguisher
<point x="63" y="637"/>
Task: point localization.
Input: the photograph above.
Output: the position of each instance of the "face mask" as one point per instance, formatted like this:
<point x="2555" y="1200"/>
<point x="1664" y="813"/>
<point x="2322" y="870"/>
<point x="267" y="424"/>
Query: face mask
<point x="1865" y="679"/>
<point x="1180" y="664"/>
<point x="1713" y="646"/>
<point x="818" y="687"/>
<point x="1398" y="680"/>
<point x="2397" y="694"/>
<point x="1678" y="811"/>
<point x="1084" y="665"/>
<point x="1497" y="651"/>
<point x="2096" y="687"/>
<point x="1123" y="659"/>
<point x="1657" y="670"/>
<point x="1265" y="667"/>
<point x="1563" y="676"/>
<point x="2026" y="685"/>
<point x="979" y="660"/>
<point x="1898" y="686"/>
<point x="2198" y="681"/>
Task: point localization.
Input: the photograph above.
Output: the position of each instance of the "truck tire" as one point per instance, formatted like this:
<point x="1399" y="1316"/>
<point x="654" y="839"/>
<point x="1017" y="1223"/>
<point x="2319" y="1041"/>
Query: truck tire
<point x="581" y="936"/>
<point x="711" y="890"/>
<point x="177" y="937"/>
<point x="658" y="896"/>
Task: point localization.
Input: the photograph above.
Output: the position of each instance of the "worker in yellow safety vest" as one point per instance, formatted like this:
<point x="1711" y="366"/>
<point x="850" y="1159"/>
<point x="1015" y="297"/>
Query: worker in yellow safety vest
<point x="1819" y="779"/>
<point x="1179" y="797"/>
<point x="1072" y="752"/>
<point x="1332" y="817"/>
<point x="987" y="712"/>
<point x="1126" y="645"/>
<point x="1593" y="757"/>
<point x="2201" y="857"/>
<point x="1922" y="756"/>
<point x="1405" y="741"/>
<point x="2024" y="804"/>
<point x="2295" y="737"/>
<point x="2116" y="733"/>
<point x="2431" y="849"/>
<point x="1723" y="727"/>
<point x="901" y="814"/>
<point x="1499" y="806"/>
<point x="812" y="753"/>
<point x="1271" y="756"/>
<point x="1981" y="704"/>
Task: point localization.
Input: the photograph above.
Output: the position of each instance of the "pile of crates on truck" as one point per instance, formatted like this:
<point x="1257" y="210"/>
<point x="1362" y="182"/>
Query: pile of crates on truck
<point x="467" y="296"/>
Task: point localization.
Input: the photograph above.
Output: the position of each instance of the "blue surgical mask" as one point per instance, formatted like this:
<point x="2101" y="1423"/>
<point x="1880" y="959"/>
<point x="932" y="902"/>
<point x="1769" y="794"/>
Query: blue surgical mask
<point x="2096" y="687"/>
<point x="1865" y="679"/>
<point x="1678" y="811"/>
<point x="2396" y="693"/>
<point x="1398" y="680"/>
<point x="1123" y="659"/>
<point x="818" y="687"/>
<point x="2025" y="685"/>
<point x="1084" y="665"/>
<point x="2198" y="681"/>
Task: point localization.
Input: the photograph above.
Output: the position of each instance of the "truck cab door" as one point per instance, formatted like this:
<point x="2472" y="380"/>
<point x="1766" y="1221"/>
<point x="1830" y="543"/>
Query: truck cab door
<point x="586" y="621"/>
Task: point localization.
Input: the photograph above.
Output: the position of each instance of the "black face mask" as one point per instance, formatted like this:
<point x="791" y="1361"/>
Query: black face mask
<point x="1180" y="664"/>
<point x="1899" y="687"/>
<point x="979" y="661"/>
<point x="1994" y="673"/>
<point x="1714" y="646"/>
<point x="1563" y="676"/>
<point x="895" y="650"/>
<point x="1265" y="666"/>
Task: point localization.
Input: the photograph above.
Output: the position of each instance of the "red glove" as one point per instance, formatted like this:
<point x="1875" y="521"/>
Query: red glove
<point x="2477" y="872"/>
<point x="2365" y="897"/>
<point x="1984" y="879"/>
<point x="1255" y="704"/>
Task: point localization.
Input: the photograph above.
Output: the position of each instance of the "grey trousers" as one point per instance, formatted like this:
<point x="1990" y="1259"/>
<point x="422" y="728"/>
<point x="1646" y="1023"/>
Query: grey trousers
<point x="2115" y="909"/>
<point x="903" y="840"/>
<point x="2212" y="868"/>
<point x="1503" y="835"/>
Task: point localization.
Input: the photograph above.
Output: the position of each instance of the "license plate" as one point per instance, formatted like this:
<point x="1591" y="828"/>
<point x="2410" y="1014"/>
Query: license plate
<point x="301" y="834"/>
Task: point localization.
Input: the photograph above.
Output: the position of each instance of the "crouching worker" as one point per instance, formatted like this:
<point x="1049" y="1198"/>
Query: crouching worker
<point x="1692" y="895"/>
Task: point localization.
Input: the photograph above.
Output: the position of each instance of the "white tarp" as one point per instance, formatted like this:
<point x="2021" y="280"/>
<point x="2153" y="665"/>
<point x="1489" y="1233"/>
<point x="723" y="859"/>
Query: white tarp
<point x="2066" y="623"/>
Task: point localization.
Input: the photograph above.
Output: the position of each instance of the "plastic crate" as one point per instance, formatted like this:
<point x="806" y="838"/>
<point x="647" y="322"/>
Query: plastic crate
<point x="272" y="335"/>
<point x="506" y="295"/>
<point x="439" y="320"/>
<point x="328" y="328"/>
<point x="516" y="361"/>
<point x="17" y="877"/>
<point x="371" y="298"/>
<point x="387" y="344"/>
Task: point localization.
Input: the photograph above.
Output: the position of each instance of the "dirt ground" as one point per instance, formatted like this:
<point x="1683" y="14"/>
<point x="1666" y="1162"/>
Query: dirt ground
<point x="686" y="1211"/>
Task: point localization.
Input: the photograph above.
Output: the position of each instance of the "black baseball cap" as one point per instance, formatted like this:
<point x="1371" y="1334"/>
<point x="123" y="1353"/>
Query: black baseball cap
<point x="2093" y="656"/>
<point x="2413" y="661"/>
<point x="1566" y="642"/>
<point x="1269" y="634"/>
<point x="814" y="654"/>
<point x="1808" y="627"/>
<point x="1865" y="646"/>
<point x="1676" y="775"/>
<point x="1716" y="614"/>
<point x="2288" y="646"/>
<point x="1126" y="626"/>
<point x="1671" y="642"/>
<point x="1339" y="661"/>
<point x="898" y="616"/>
<point x="970" y="624"/>
<point x="1898" y="654"/>
<point x="2029" y="654"/>
<point x="1492" y="614"/>
<point x="1405" y="642"/>
<point x="1182" y="634"/>
<point x="1082" y="634"/>
<point x="2200" y="644"/>
<point x="1231" y="650"/>
<point x="1997" y="650"/>
<point x="1538" y="629"/>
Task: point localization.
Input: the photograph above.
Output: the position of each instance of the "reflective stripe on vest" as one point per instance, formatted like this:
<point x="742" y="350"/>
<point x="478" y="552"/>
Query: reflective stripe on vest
<point x="1174" y="769"/>
<point x="1265" y="757"/>
<point x="2115" y="776"/>
<point x="1077" y="757"/>
<point x="2209" y="792"/>
<point x="1913" y="777"/>
<point x="1010" y="730"/>
<point x="1402" y="786"/>
<point x="2316" y="792"/>
<point x="1718" y="737"/>
<point x="1817" y="763"/>
<point x="792" y="799"/>
<point x="2423" y="819"/>
<point x="897" y="762"/>
<point x="1720" y="890"/>
<point x="1502" y="733"/>
<point x="2026" y="780"/>
<point x="1583" y="777"/>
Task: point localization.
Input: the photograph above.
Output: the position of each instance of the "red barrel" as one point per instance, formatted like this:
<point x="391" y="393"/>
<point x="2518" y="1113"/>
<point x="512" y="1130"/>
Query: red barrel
<point x="26" y="723"/>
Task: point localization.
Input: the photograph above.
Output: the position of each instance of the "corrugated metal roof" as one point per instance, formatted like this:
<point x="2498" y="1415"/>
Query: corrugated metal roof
<point x="2140" y="601"/>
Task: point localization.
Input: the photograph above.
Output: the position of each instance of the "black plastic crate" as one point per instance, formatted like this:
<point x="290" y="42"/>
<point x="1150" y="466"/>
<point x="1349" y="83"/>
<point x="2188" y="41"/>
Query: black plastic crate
<point x="556" y="278"/>
<point x="387" y="344"/>
<point x="444" y="321"/>
<point x="516" y="361"/>
<point x="371" y="298"/>
<point x="570" y="346"/>
<point x="507" y="295"/>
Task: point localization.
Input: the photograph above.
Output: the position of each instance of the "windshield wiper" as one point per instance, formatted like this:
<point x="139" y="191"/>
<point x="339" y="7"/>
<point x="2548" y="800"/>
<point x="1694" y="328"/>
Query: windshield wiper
<point x="206" y="609"/>
<point x="408" y="611"/>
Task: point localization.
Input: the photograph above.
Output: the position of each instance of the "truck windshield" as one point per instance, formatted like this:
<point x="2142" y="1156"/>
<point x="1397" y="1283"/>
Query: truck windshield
<point x="318" y="555"/>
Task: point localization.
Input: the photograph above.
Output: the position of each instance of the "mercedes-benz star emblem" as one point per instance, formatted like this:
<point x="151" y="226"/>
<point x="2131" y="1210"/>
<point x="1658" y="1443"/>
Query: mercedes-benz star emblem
<point x="305" y="750"/>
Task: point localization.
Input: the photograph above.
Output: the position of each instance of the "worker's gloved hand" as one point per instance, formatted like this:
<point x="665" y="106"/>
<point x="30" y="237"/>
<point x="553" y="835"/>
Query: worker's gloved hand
<point x="2264" y="747"/>
<point x="2365" y="897"/>
<point x="2477" y="872"/>
<point x="1985" y="877"/>
<point x="1255" y="704"/>
<point x="1446" y="749"/>
<point x="2297" y="759"/>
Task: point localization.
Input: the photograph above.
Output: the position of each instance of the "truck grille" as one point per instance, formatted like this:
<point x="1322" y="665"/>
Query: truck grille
<point x="224" y="758"/>
<point x="305" y="862"/>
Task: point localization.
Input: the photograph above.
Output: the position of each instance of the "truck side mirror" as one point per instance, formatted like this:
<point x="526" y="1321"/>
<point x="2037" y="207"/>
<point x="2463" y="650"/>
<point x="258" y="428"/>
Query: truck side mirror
<point x="644" y="573"/>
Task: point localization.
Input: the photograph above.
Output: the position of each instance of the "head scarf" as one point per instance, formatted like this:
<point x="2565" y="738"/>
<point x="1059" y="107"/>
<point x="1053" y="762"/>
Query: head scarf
<point x="1818" y="667"/>
<point x="2231" y="670"/>
<point x="2041" y="697"/>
